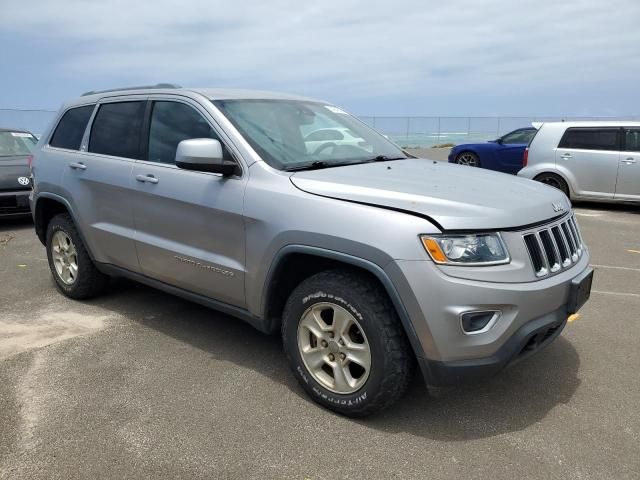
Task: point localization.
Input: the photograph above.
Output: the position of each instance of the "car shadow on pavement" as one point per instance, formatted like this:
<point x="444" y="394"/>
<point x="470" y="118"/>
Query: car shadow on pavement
<point x="15" y="223"/>
<point x="517" y="398"/>
<point x="626" y="207"/>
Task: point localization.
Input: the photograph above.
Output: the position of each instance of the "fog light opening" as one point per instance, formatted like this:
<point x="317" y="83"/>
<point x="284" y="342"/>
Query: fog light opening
<point x="478" y="322"/>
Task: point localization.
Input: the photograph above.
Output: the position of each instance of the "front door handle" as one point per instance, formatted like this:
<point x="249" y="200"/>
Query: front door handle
<point x="629" y="160"/>
<point x="566" y="156"/>
<point x="78" y="166"/>
<point x="146" y="178"/>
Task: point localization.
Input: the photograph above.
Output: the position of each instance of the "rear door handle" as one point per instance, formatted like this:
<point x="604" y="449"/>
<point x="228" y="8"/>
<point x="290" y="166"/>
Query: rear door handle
<point x="146" y="178"/>
<point x="629" y="160"/>
<point x="566" y="156"/>
<point x="78" y="166"/>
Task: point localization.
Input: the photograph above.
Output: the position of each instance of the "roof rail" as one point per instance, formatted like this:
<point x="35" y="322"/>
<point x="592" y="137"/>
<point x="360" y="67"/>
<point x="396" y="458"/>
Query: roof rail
<point x="139" y="87"/>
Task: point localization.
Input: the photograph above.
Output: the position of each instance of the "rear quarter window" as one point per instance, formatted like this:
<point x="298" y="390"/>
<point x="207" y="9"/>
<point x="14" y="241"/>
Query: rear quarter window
<point x="70" y="130"/>
<point x="591" y="138"/>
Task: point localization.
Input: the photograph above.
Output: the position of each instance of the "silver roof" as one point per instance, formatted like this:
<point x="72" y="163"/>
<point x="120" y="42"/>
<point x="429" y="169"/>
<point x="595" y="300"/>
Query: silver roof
<point x="594" y="123"/>
<point x="210" y="93"/>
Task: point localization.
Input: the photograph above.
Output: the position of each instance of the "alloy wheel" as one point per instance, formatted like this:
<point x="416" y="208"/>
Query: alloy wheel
<point x="334" y="348"/>
<point x="65" y="257"/>
<point x="467" y="159"/>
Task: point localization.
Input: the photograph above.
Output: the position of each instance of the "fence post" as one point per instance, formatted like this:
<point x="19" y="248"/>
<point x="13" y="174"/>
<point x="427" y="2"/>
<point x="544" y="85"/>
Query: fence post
<point x="438" y="129"/>
<point x="498" y="132"/>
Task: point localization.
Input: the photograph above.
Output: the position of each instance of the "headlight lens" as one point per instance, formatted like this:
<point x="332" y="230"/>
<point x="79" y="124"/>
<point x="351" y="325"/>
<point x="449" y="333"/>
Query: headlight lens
<point x="480" y="249"/>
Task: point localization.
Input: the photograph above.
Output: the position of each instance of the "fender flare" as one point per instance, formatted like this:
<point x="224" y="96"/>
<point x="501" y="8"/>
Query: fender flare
<point x="373" y="268"/>
<point x="64" y="202"/>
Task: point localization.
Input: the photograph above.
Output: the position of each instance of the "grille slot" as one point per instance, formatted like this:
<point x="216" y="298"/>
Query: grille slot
<point x="569" y="237"/>
<point x="553" y="248"/>
<point x="550" y="250"/>
<point x="535" y="252"/>
<point x="563" y="249"/>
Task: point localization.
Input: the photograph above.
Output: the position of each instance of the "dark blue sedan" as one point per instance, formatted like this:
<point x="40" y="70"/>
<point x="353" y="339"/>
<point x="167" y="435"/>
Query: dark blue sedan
<point x="504" y="154"/>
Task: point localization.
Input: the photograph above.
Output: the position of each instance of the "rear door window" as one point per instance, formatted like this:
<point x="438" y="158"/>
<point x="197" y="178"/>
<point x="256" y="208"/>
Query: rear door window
<point x="632" y="140"/>
<point x="591" y="139"/>
<point x="117" y="129"/>
<point x="172" y="122"/>
<point x="70" y="129"/>
<point x="518" y="137"/>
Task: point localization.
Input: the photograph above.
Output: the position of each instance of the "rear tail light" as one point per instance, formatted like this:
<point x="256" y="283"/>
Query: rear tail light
<point x="525" y="157"/>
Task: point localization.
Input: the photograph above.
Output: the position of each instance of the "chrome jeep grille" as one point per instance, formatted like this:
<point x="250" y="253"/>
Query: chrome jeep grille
<point x="554" y="247"/>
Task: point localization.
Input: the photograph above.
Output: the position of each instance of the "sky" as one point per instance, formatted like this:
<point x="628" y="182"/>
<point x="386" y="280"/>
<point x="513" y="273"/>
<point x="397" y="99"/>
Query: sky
<point x="406" y="57"/>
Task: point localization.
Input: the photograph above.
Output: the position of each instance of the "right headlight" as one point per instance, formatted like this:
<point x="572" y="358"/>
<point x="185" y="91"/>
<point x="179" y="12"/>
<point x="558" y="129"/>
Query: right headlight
<point x="466" y="250"/>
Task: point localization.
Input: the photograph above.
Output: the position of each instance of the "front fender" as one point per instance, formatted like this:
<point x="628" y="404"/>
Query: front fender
<point x="376" y="270"/>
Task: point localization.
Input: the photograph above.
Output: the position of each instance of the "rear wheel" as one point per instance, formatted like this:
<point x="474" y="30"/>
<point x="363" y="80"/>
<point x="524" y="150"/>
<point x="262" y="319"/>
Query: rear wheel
<point x="344" y="343"/>
<point x="555" y="181"/>
<point x="73" y="270"/>
<point x="468" y="158"/>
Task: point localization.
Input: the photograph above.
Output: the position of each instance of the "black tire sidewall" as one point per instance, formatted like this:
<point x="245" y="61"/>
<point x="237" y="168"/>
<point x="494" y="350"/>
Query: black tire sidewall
<point x="61" y="223"/>
<point x="564" y="187"/>
<point x="304" y="298"/>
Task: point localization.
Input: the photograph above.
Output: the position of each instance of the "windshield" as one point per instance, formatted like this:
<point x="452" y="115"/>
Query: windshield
<point x="291" y="134"/>
<point x="16" y="143"/>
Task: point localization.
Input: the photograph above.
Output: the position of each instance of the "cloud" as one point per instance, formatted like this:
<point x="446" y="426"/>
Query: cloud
<point x="360" y="48"/>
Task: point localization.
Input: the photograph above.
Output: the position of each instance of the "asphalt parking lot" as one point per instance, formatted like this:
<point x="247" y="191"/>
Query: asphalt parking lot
<point x="138" y="383"/>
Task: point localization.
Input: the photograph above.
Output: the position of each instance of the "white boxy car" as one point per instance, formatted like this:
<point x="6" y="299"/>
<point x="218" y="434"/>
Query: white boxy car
<point x="587" y="160"/>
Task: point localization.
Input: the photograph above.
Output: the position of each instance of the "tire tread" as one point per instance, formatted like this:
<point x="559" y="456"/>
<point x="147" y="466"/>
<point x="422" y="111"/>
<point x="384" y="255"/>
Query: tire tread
<point x="91" y="281"/>
<point x="398" y="355"/>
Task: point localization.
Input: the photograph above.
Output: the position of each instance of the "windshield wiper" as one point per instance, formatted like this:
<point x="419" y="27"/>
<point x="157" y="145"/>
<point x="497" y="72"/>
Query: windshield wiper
<point x="318" y="164"/>
<point x="315" y="165"/>
<point x="384" y="158"/>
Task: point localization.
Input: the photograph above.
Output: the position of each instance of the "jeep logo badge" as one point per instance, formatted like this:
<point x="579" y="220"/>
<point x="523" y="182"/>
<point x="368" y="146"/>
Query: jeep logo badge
<point x="557" y="207"/>
<point x="23" y="181"/>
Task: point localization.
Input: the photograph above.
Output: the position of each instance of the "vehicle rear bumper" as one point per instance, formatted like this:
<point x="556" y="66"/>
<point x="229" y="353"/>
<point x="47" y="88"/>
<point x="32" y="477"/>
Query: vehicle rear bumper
<point x="14" y="203"/>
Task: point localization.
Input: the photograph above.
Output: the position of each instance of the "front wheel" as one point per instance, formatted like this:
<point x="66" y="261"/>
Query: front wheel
<point x="344" y="343"/>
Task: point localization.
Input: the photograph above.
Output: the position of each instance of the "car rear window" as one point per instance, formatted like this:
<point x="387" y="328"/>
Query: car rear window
<point x="632" y="140"/>
<point x="117" y="128"/>
<point x="591" y="138"/>
<point x="70" y="129"/>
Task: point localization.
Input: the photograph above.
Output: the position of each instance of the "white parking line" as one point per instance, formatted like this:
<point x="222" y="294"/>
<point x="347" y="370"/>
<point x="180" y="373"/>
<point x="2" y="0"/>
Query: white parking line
<point x="589" y="214"/>
<point x="616" y="293"/>
<point x="612" y="267"/>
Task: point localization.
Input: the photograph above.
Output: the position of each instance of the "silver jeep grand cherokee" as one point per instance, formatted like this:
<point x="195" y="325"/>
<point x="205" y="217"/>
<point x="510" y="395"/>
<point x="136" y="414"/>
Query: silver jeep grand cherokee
<point x="294" y="216"/>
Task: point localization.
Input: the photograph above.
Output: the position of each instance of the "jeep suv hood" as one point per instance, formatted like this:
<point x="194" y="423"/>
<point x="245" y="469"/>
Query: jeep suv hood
<point x="455" y="197"/>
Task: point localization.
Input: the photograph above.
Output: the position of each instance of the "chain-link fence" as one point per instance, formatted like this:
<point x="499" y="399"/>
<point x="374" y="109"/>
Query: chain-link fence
<point x="430" y="131"/>
<point x="405" y="131"/>
<point x="35" y="121"/>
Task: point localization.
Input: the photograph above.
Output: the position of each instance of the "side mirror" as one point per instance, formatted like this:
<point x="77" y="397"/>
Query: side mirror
<point x="498" y="141"/>
<point x="203" y="155"/>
